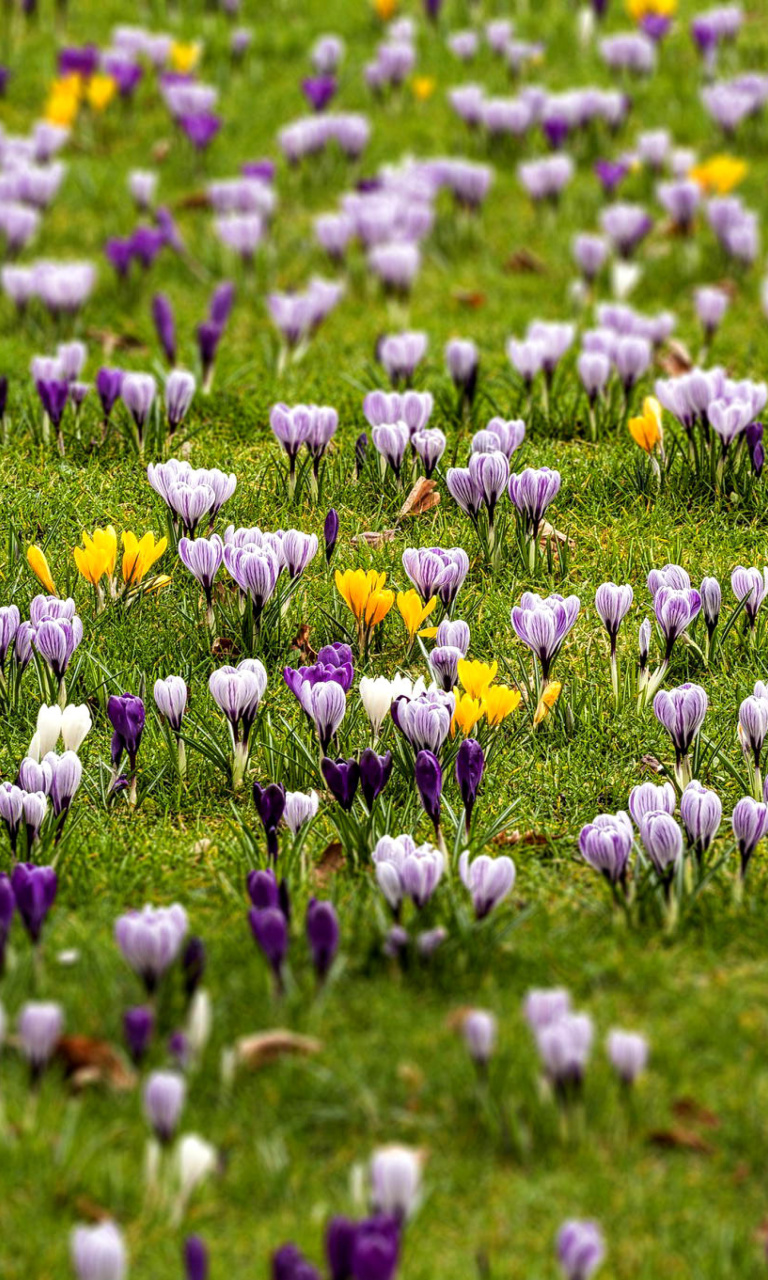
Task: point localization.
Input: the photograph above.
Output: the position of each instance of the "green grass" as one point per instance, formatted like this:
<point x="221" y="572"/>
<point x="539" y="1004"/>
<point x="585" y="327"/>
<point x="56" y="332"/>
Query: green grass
<point x="390" y="1068"/>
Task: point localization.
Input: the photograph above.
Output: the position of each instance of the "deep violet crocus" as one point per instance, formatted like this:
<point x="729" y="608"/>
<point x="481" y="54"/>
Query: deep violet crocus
<point x="195" y="1259"/>
<point x="428" y="776"/>
<point x="341" y="777"/>
<point x="34" y="891"/>
<point x="270" y="931"/>
<point x="470" y="764"/>
<point x="270" y="806"/>
<point x="126" y="715"/>
<point x="165" y="326"/>
<point x="330" y="533"/>
<point x="322" y="935"/>
<point x="138" y="1026"/>
<point x="375" y="772"/>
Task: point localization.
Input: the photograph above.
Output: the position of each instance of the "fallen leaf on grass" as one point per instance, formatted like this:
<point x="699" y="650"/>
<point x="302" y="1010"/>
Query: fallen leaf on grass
<point x="675" y="359"/>
<point x="533" y="839"/>
<point x="423" y="497"/>
<point x="330" y="863"/>
<point x="682" y="1140"/>
<point x="222" y="646"/>
<point x="112" y="342"/>
<point x="374" y="538"/>
<point x="651" y="765"/>
<point x="88" y="1061"/>
<point x="194" y="200"/>
<point x="161" y="150"/>
<point x="469" y="298"/>
<point x="90" y="1210"/>
<point x="525" y="261"/>
<point x="267" y="1046"/>
<point x="690" y="1109"/>
<point x="548" y="533"/>
<point x="301" y="642"/>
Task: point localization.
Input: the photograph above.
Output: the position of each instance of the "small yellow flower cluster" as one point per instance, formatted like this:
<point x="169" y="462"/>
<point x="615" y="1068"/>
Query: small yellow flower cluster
<point x="365" y="595"/>
<point x="97" y="558"/>
<point x="68" y="93"/>
<point x="639" y="9"/>
<point x="481" y="697"/>
<point x="719" y="175"/>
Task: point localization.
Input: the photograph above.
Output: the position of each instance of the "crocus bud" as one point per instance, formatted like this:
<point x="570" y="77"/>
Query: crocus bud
<point x="162" y="316"/>
<point x="195" y="1259"/>
<point x="40" y="1026"/>
<point x="270" y="806"/>
<point x="628" y="1053"/>
<point x="164" y="1095"/>
<point x="270" y="930"/>
<point x="479" y="1029"/>
<point x="395" y="1174"/>
<point x="170" y="697"/>
<point x="429" y="780"/>
<point x="7" y="909"/>
<point x="711" y="600"/>
<point x="138" y="1026"/>
<point x="470" y="763"/>
<point x="323" y="935"/>
<point x="342" y="777"/>
<point x="331" y="532"/>
<point x="47" y="732"/>
<point x="361" y="449"/>
<point x="750" y="823"/>
<point x="580" y="1249"/>
<point x="263" y="889"/>
<point x="75" y="726"/>
<point x="375" y="771"/>
<point x="193" y="965"/>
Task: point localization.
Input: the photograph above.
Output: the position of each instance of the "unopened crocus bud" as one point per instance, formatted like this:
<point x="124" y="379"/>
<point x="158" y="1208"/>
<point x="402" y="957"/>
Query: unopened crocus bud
<point x="754" y="438"/>
<point x="138" y="1026"/>
<point x="7" y="909"/>
<point x="193" y="965"/>
<point x="40" y="1026"/>
<point x="429" y="781"/>
<point x="580" y="1249"/>
<point x="342" y="777"/>
<point x="331" y="532"/>
<point x="164" y="1095"/>
<point x="270" y="806"/>
<point x="270" y="930"/>
<point x="375" y="771"/>
<point x="162" y="316"/>
<point x="361" y="449"/>
<point x="479" y="1029"/>
<point x="628" y="1053"/>
<point x="711" y="600"/>
<point x="75" y="726"/>
<point x="470" y="763"/>
<point x="750" y="824"/>
<point x="263" y="889"/>
<point x="171" y="700"/>
<point x="195" y="1259"/>
<point x="395" y="1175"/>
<point x="322" y="935"/>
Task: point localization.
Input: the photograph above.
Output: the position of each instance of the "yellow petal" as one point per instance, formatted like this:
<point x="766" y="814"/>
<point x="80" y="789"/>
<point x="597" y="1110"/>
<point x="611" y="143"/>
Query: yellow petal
<point x="39" y="566"/>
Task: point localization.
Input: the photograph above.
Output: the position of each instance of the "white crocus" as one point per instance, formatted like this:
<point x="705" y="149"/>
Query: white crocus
<point x="377" y="696"/>
<point x="195" y="1161"/>
<point x="47" y="732"/>
<point x="395" y="1176"/>
<point x="199" y="1022"/>
<point x="75" y="726"/>
<point x="624" y="277"/>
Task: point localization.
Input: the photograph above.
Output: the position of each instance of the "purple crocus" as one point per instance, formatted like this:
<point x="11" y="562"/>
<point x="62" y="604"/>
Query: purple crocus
<point x="681" y="712"/>
<point x="138" y="1026"/>
<point x="109" y="384"/>
<point x="7" y="911"/>
<point x="330" y="533"/>
<point x="270" y="930"/>
<point x="319" y="91"/>
<point x="126" y="715"/>
<point x="580" y="1249"/>
<point x="543" y="625"/>
<point x="341" y="777"/>
<point x="606" y="844"/>
<point x="34" y="891"/>
<point x="531" y="492"/>
<point x="701" y="813"/>
<point x="488" y="880"/>
<point x="750" y="824"/>
<point x="322" y="935"/>
<point x="470" y="764"/>
<point x="195" y="1259"/>
<point x="270" y="806"/>
<point x="203" y="558"/>
<point x="165" y="327"/>
<point x="749" y="586"/>
<point x="150" y="940"/>
<point x="428" y="776"/>
<point x="201" y="128"/>
<point x="375" y="772"/>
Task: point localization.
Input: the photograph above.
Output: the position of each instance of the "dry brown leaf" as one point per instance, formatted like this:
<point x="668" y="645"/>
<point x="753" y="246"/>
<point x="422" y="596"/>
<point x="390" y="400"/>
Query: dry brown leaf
<point x="222" y="646"/>
<point x="675" y="359"/>
<point x="88" y="1061"/>
<point x="548" y="533"/>
<point x="267" y="1046"/>
<point x="469" y="298"/>
<point x="681" y="1139"/>
<point x="534" y="839"/>
<point x="457" y="1017"/>
<point x="331" y="862"/>
<point x="373" y="538"/>
<point x="161" y="151"/>
<point x="525" y="261"/>
<point x="301" y="642"/>
<point x="651" y="765"/>
<point x="423" y="497"/>
<point x="194" y="200"/>
<point x="112" y="342"/>
<point x="90" y="1210"/>
<point x="690" y="1109"/>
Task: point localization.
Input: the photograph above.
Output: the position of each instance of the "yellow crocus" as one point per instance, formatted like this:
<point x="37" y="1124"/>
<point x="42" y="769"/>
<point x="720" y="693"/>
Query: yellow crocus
<point x="466" y="713"/>
<point x="185" y="55"/>
<point x="646" y="430"/>
<point x="719" y="175"/>
<point x="385" y="9"/>
<point x="377" y="607"/>
<point x="140" y="555"/>
<point x="547" y="701"/>
<point x="412" y="611"/>
<point x="61" y="109"/>
<point x="356" y="587"/>
<point x="499" y="702"/>
<point x="98" y="555"/>
<point x="476" y="676"/>
<point x="639" y="9"/>
<point x="39" y="566"/>
<point x="423" y="87"/>
<point x="100" y="91"/>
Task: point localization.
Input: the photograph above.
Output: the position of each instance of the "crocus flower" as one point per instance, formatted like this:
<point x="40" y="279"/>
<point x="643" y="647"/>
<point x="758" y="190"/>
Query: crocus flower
<point x="480" y="1030"/>
<point x="750" y="824"/>
<point x="322" y="935"/>
<point x="126" y="715"/>
<point x="40" y="1026"/>
<point x="749" y="586"/>
<point x="270" y="930"/>
<point x="203" y="558"/>
<point x="647" y="798"/>
<point x="488" y="880"/>
<point x="150" y="940"/>
<point x="531" y="493"/>
<point x="375" y="772"/>
<point x="139" y="555"/>
<point x="39" y="565"/>
<point x="470" y="765"/>
<point x="179" y="393"/>
<point x="429" y="782"/>
<point x="270" y="806"/>
<point x="628" y="1054"/>
<point x="543" y="624"/>
<point x="299" y="809"/>
<point x="395" y="1177"/>
<point x="34" y="890"/>
<point x="170" y="697"/>
<point x="195" y="1259"/>
<point x="606" y="844"/>
<point x="564" y="1045"/>
<point x="365" y="594"/>
<point x="580" y="1249"/>
<point x="342" y="777"/>
<point x="543" y="1006"/>
<point x="701" y="813"/>
<point x="138" y="1026"/>
<point x="424" y="720"/>
<point x="681" y="712"/>
<point x="164" y="1095"/>
<point x="238" y="692"/>
<point x="663" y="842"/>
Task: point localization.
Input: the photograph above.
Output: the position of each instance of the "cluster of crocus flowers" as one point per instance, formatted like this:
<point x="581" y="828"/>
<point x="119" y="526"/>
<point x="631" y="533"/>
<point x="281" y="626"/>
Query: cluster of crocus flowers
<point x="481" y="697"/>
<point x="96" y="561"/>
<point x="365" y="595"/>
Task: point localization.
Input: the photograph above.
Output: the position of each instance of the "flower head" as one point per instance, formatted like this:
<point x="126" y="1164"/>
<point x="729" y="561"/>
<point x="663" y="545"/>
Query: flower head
<point x="97" y="556"/>
<point x="139" y="555"/>
<point x="646" y="430"/>
<point x="39" y="566"/>
<point x="413" y="612"/>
